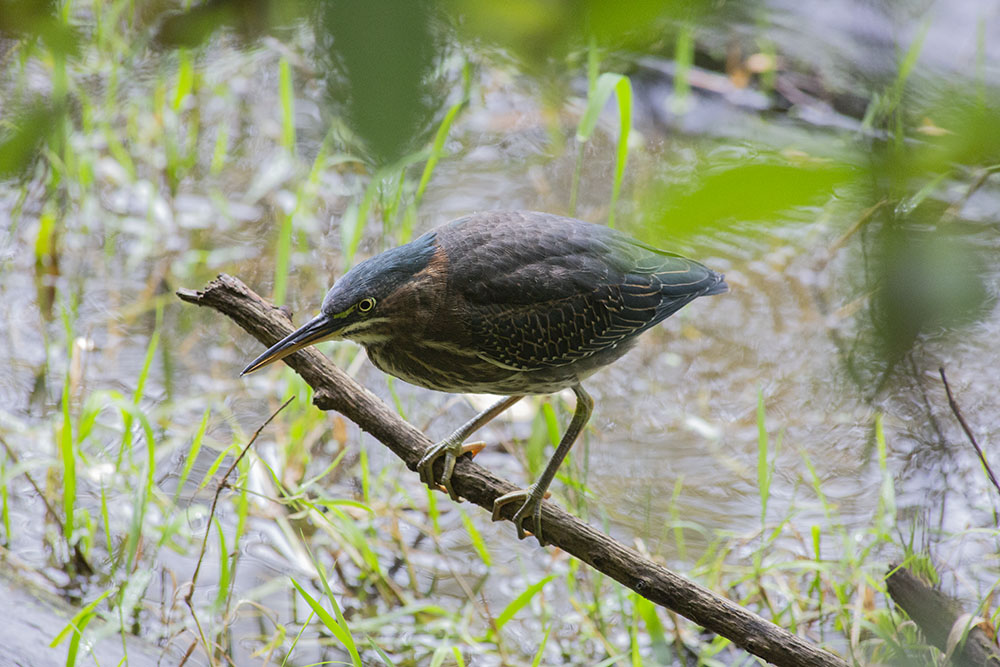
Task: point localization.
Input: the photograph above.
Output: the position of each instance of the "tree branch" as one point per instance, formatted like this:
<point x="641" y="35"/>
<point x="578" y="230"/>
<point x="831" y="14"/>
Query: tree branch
<point x="941" y="620"/>
<point x="334" y="390"/>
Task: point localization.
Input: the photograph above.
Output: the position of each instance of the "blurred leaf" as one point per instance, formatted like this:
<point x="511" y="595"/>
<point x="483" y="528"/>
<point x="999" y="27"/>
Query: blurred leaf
<point x="47" y="256"/>
<point x="925" y="280"/>
<point x="955" y="129"/>
<point x="192" y="27"/>
<point x="37" y="19"/>
<point x="970" y="137"/>
<point x="378" y="58"/>
<point x="538" y="32"/>
<point x="249" y="18"/>
<point x="21" y="140"/>
<point x="478" y="543"/>
<point x="759" y="190"/>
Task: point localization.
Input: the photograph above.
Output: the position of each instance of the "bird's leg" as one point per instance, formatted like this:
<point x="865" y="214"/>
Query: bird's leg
<point x="451" y="447"/>
<point x="532" y="496"/>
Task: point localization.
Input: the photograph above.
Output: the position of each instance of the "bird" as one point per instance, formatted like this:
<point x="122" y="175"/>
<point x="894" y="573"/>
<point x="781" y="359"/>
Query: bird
<point x="510" y="303"/>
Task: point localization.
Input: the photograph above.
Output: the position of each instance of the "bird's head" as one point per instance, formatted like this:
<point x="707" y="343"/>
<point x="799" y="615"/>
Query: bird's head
<point x="359" y="306"/>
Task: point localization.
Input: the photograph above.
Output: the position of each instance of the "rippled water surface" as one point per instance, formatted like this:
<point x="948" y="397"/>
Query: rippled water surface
<point x="670" y="458"/>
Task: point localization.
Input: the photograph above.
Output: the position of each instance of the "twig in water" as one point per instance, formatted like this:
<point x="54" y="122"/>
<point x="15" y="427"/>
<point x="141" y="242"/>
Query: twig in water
<point x="78" y="558"/>
<point x="211" y="514"/>
<point x="968" y="431"/>
<point x="957" y="206"/>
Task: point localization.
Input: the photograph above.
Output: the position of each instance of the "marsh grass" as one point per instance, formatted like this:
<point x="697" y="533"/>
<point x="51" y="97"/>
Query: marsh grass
<point x="599" y="93"/>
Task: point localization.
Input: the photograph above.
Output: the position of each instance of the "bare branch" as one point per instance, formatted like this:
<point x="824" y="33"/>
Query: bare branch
<point x="941" y="620"/>
<point x="968" y="431"/>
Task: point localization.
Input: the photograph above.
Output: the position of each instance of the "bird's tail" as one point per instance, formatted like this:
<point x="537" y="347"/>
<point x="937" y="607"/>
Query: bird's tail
<point x="719" y="287"/>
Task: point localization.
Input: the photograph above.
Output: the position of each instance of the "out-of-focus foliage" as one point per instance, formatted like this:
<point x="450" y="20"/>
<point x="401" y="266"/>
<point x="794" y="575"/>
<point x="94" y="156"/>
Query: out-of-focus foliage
<point x="922" y="269"/>
<point x="37" y="20"/>
<point x="24" y="134"/>
<point x="927" y="278"/>
<point x="755" y="187"/>
<point x="541" y="31"/>
<point x="962" y="130"/>
<point x="378" y="59"/>
<point x="248" y="18"/>
<point x="28" y="120"/>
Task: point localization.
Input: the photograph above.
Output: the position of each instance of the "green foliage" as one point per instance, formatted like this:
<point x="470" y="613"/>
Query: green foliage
<point x="383" y="53"/>
<point x="723" y="193"/>
<point x="76" y="626"/>
<point x="601" y="91"/>
<point x="519" y="602"/>
<point x="543" y="34"/>
<point x="926" y="280"/>
<point x="338" y="626"/>
<point x="24" y="135"/>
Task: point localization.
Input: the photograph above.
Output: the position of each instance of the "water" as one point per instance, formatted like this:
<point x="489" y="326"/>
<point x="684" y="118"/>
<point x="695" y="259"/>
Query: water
<point x="674" y="438"/>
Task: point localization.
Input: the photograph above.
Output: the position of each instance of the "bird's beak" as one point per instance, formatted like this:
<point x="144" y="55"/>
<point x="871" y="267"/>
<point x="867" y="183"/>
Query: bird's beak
<point x="317" y="329"/>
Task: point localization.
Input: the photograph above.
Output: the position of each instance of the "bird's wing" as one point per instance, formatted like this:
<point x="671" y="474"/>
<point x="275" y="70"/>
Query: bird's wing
<point x="539" y="325"/>
<point x="540" y="291"/>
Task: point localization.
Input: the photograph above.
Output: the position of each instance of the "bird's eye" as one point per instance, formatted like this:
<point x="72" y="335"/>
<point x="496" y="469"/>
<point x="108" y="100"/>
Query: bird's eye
<point x="366" y="304"/>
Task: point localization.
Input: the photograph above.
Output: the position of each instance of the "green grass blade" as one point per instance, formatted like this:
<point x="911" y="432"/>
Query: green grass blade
<point x="887" y="492"/>
<point x="4" y="502"/>
<point x="478" y="543"/>
<point x="541" y="648"/>
<point x="69" y="464"/>
<point x="225" y="572"/>
<point x="282" y="259"/>
<point x="520" y="601"/>
<point x="378" y="649"/>
<point x="623" y="92"/>
<point x="366" y="478"/>
<point x="355" y="219"/>
<point x="185" y="78"/>
<point x="341" y="633"/>
<point x="654" y="629"/>
<point x="286" y="92"/>
<point x="220" y="151"/>
<point x="106" y="523"/>
<point x="437" y="147"/>
<point x="74" y="623"/>
<point x="341" y="621"/>
<point x="595" y="103"/>
<point x="609" y="83"/>
<point x="140" y="388"/>
<point x="192" y="454"/>
<point x="683" y="60"/>
<point x="145" y="491"/>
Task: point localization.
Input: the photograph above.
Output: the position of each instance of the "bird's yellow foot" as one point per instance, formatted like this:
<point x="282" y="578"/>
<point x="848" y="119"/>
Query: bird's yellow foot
<point x="531" y="511"/>
<point x="450" y="450"/>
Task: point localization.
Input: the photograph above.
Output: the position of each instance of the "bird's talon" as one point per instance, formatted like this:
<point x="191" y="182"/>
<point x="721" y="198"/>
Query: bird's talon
<point x="450" y="450"/>
<point x="473" y="448"/>
<point x="451" y="491"/>
<point x="530" y="512"/>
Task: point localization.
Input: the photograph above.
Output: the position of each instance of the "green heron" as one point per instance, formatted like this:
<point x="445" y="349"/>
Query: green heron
<point x="508" y="303"/>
